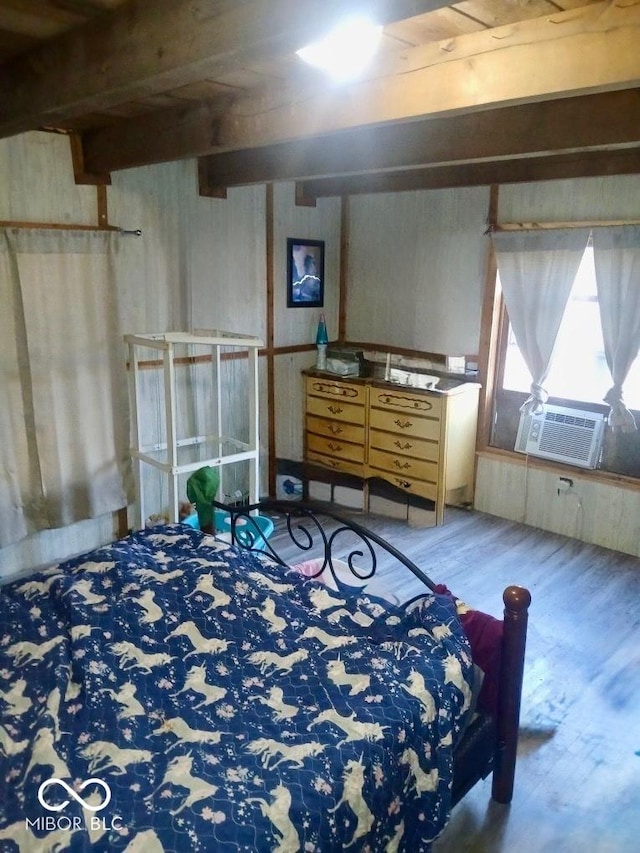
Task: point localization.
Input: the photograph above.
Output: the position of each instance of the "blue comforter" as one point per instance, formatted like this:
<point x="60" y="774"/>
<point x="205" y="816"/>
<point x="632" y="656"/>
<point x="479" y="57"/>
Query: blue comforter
<point x="219" y="702"/>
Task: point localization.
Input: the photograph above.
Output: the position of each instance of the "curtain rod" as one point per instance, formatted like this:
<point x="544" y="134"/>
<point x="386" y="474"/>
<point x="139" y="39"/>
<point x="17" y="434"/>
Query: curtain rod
<point x="541" y="226"/>
<point x="58" y="226"/>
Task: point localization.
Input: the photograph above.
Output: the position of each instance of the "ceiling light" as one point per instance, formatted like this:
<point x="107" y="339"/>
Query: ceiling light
<point x="346" y="51"/>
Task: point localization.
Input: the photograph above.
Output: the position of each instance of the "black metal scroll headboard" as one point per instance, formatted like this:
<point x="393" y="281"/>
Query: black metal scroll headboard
<point x="319" y="532"/>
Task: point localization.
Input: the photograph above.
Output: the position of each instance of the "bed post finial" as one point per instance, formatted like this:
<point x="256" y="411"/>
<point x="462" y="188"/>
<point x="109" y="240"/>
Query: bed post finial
<point x="516" y="600"/>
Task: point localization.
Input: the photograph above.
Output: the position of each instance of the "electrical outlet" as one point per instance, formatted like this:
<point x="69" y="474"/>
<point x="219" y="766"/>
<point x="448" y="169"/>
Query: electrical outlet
<point x="563" y="485"/>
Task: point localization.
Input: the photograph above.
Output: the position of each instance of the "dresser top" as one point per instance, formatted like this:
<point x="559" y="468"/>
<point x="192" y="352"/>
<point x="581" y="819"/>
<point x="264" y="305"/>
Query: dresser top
<point x="446" y="386"/>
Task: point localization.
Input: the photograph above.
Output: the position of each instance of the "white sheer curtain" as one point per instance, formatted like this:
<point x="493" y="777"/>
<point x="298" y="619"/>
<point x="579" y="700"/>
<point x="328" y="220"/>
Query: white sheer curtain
<point x="63" y="425"/>
<point x="616" y="257"/>
<point x="537" y="270"/>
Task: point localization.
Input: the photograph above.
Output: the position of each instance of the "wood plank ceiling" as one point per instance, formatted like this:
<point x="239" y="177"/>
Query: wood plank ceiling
<point x="483" y="91"/>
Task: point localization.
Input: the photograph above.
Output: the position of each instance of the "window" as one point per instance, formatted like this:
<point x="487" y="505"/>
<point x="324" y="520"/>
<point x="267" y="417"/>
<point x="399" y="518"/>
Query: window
<point x="579" y="370"/>
<point x="578" y="376"/>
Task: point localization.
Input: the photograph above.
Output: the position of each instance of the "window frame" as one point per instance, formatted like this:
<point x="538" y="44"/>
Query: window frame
<point x="495" y="334"/>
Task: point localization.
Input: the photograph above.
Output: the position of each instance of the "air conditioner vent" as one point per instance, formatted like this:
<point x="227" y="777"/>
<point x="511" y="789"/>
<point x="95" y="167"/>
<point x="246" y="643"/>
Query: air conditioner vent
<point x="564" y="435"/>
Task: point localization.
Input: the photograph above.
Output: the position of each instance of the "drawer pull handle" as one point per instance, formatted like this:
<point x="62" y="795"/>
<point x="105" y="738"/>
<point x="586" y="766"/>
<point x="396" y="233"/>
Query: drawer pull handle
<point x="335" y="463"/>
<point x="334" y="429"/>
<point x="403" y="466"/>
<point x="404" y="483"/>
<point x="406" y="446"/>
<point x="334" y="447"/>
<point x="335" y="410"/>
<point x="403" y="424"/>
<point x="336" y="390"/>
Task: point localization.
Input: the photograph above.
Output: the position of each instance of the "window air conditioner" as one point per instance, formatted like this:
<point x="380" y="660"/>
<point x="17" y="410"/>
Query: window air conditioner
<point x="565" y="435"/>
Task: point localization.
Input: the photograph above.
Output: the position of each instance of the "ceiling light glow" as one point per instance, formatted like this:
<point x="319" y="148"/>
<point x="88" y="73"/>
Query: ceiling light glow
<point x="346" y="51"/>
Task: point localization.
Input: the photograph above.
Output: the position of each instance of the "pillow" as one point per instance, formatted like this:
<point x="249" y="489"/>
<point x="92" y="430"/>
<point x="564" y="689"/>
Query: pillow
<point x="484" y="633"/>
<point x="343" y="574"/>
<point x="344" y="581"/>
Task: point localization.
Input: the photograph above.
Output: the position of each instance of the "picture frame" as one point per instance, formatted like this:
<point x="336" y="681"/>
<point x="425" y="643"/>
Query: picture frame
<point x="305" y="273"/>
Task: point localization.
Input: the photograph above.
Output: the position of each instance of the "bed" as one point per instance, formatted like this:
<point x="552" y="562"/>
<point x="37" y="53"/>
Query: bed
<point x="179" y="691"/>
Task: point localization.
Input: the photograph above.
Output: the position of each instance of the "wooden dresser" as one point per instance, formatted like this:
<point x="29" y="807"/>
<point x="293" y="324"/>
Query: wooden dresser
<point x="421" y="442"/>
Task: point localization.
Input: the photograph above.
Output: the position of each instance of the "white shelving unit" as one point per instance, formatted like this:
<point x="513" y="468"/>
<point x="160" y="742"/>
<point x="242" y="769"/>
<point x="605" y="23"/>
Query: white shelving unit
<point x="179" y="454"/>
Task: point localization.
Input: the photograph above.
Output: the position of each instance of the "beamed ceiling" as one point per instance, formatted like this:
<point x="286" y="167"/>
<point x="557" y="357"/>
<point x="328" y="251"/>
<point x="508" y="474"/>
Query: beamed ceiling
<point x="480" y="92"/>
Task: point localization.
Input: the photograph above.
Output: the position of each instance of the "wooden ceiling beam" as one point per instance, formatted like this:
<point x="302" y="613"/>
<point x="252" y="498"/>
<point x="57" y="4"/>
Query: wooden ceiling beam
<point x="585" y="51"/>
<point x="552" y="167"/>
<point x="145" y="48"/>
<point x="158" y="137"/>
<point x="607" y="120"/>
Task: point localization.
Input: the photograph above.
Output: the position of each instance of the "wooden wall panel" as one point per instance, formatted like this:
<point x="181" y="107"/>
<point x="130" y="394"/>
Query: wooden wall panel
<point x="592" y="199"/>
<point x="263" y="427"/>
<point x="416" y="269"/>
<point x="152" y="269"/>
<point x="199" y="262"/>
<point x="289" y="387"/>
<point x="36" y="176"/>
<point x="592" y="511"/>
<point x="226" y="271"/>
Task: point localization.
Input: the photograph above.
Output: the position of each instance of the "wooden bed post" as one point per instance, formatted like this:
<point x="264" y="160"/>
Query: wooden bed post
<point x="517" y="601"/>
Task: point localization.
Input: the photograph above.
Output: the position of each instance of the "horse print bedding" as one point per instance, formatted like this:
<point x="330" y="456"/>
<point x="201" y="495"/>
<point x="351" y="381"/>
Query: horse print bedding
<point x="171" y="693"/>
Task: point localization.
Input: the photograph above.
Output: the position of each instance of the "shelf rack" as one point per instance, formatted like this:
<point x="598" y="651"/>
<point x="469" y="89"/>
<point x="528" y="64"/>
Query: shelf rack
<point x="176" y="455"/>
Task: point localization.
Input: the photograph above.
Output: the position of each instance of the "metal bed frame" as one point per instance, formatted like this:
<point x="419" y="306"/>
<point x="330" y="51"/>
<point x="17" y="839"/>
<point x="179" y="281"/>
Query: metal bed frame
<point x="489" y="744"/>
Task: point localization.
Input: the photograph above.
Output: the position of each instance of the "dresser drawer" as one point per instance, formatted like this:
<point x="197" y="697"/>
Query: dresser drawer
<point x="406" y="445"/>
<point x="400" y="401"/>
<point x="335" y="448"/>
<point x="405" y="423"/>
<point x="420" y="488"/>
<point x="337" y="390"/>
<point x="335" y="429"/>
<point x="403" y="465"/>
<point x="346" y="466"/>
<point x="336" y="409"/>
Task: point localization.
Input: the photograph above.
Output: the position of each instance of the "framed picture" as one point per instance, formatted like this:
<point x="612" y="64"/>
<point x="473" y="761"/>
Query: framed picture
<point x="305" y="273"/>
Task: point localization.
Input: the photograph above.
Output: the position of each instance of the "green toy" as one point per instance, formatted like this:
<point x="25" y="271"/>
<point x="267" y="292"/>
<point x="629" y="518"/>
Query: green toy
<point x="202" y="487"/>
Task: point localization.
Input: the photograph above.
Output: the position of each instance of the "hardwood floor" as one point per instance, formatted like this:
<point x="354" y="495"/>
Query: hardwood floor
<point x="578" y="776"/>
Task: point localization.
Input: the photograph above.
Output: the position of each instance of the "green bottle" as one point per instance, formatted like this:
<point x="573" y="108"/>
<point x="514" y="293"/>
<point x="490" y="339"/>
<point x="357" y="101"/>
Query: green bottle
<point x="321" y="343"/>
